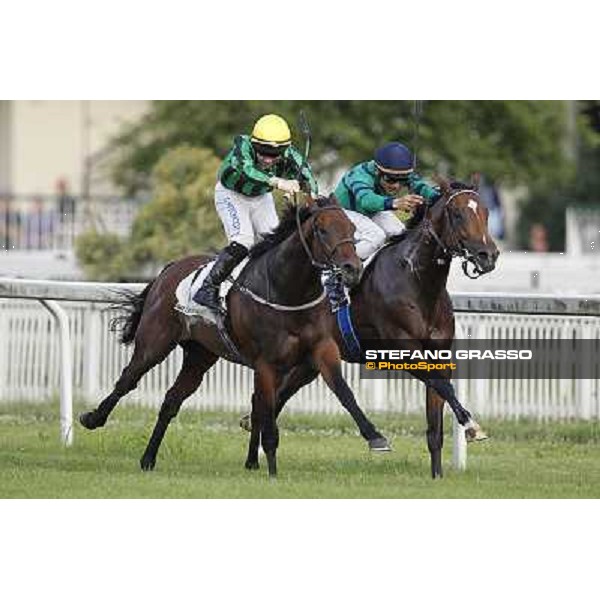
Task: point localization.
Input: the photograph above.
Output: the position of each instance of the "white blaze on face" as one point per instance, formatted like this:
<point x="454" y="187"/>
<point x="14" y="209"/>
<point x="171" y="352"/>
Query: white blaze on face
<point x="473" y="206"/>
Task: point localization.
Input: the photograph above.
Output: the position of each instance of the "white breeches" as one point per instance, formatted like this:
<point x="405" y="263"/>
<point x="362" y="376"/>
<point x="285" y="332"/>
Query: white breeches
<point x="372" y="232"/>
<point x="245" y="218"/>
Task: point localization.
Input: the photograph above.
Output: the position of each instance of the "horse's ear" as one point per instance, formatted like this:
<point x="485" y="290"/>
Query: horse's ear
<point x="443" y="183"/>
<point x="333" y="201"/>
<point x="309" y="201"/>
<point x="476" y="181"/>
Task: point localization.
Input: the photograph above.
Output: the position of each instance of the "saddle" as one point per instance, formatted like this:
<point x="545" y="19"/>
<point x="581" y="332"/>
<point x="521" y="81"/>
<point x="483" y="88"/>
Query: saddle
<point x="193" y="282"/>
<point x="185" y="304"/>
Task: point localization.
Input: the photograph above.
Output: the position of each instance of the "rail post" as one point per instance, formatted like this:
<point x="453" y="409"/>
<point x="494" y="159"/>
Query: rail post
<point x="66" y="371"/>
<point x="459" y="442"/>
<point x="91" y="349"/>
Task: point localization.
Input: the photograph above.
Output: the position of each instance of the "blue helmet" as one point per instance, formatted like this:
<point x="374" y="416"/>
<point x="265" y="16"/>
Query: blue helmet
<point x="395" y="158"/>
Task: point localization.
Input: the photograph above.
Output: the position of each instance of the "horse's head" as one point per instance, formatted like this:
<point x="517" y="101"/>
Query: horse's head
<point x="329" y="237"/>
<point x="464" y="229"/>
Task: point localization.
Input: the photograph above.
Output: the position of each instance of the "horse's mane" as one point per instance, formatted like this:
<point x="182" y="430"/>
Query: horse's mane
<point x="459" y="185"/>
<point x="416" y="220"/>
<point x="287" y="225"/>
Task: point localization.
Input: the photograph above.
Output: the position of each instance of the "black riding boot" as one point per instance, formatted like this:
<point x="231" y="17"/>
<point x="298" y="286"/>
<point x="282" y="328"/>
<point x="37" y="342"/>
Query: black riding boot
<point x="227" y="260"/>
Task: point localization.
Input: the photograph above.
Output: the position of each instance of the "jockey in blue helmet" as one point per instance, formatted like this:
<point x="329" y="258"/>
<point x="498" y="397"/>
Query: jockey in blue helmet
<point x="371" y="191"/>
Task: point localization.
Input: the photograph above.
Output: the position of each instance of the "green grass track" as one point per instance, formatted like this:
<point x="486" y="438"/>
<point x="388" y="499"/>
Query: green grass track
<point x="319" y="457"/>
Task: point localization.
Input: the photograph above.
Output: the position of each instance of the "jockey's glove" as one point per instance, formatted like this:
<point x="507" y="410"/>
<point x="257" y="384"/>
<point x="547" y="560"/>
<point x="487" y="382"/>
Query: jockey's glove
<point x="288" y="186"/>
<point x="407" y="203"/>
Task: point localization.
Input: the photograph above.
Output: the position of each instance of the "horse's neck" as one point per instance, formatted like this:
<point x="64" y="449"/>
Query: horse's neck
<point x="289" y="274"/>
<point x="428" y="263"/>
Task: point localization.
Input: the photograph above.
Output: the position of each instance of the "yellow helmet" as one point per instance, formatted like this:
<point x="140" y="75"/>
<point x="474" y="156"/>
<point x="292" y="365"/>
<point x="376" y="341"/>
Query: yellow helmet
<point x="272" y="130"/>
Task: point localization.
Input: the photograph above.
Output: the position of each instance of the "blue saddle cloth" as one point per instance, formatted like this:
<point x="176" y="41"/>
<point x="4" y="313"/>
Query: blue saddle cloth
<point x="349" y="336"/>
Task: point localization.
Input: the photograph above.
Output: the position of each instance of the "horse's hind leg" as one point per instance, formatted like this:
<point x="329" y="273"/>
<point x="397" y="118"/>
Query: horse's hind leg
<point x="146" y="355"/>
<point x="327" y="359"/>
<point x="197" y="360"/>
<point x="435" y="430"/>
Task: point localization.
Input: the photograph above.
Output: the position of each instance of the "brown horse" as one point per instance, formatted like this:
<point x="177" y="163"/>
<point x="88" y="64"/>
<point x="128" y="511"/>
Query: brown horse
<point x="402" y="297"/>
<point x="277" y="318"/>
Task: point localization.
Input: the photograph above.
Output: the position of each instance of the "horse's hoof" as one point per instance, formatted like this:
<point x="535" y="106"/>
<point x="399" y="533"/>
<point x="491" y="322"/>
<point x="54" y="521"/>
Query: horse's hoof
<point x="380" y="444"/>
<point x="89" y="420"/>
<point x="474" y="433"/>
<point x="246" y="423"/>
<point x="147" y="464"/>
<point x="252" y="465"/>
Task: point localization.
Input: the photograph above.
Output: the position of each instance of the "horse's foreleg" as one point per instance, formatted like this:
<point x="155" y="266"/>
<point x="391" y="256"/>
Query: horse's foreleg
<point x="445" y="389"/>
<point x="294" y="380"/>
<point x="197" y="360"/>
<point x="145" y="357"/>
<point x="254" y="427"/>
<point x="435" y="430"/>
<point x="266" y="382"/>
<point x="327" y="360"/>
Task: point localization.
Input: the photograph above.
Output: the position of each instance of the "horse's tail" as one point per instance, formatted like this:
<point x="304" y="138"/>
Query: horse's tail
<point x="131" y="307"/>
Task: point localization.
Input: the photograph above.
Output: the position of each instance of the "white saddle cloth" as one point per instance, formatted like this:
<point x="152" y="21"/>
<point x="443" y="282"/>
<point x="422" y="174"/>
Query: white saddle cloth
<point x="185" y="290"/>
<point x="371" y="257"/>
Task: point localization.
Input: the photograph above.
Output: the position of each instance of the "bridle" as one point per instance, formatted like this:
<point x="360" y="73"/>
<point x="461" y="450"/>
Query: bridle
<point x="328" y="251"/>
<point x="329" y="265"/>
<point x="455" y="248"/>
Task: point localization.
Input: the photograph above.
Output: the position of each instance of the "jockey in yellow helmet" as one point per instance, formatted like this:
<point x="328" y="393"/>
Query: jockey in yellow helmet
<point x="255" y="166"/>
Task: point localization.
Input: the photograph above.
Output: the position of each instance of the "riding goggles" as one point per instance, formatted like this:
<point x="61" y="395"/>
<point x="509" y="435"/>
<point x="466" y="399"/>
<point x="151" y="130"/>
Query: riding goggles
<point x="394" y="177"/>
<point x="268" y="150"/>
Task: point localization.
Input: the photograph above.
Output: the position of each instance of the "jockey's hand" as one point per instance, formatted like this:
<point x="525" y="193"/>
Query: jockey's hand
<point x="288" y="186"/>
<point x="408" y="203"/>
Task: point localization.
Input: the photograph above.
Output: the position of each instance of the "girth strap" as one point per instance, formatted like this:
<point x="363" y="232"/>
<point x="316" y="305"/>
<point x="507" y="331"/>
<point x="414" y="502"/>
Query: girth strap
<point x="229" y="344"/>
<point x="283" y="307"/>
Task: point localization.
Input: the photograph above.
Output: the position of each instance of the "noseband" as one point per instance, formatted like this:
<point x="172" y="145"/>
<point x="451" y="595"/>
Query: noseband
<point x="327" y="250"/>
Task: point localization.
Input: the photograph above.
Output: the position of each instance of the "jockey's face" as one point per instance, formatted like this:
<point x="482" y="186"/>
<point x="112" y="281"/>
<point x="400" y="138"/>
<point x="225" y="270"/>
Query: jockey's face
<point x="268" y="156"/>
<point x="390" y="189"/>
<point x="392" y="183"/>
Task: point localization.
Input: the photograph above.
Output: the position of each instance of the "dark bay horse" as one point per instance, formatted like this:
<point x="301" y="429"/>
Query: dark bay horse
<point x="403" y="296"/>
<point x="278" y="317"/>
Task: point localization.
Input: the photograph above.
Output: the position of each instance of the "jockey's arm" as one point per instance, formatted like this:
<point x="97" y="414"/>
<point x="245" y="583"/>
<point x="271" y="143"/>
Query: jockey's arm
<point x="239" y="173"/>
<point x="299" y="165"/>
<point x="417" y="185"/>
<point x="367" y="199"/>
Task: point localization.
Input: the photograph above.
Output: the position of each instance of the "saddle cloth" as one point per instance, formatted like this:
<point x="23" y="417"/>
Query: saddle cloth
<point x="186" y="289"/>
<point x="389" y="242"/>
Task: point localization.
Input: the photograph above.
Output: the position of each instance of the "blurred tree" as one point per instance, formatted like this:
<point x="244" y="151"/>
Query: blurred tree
<point x="178" y="221"/>
<point x="513" y="142"/>
<point x="548" y="200"/>
<point x="103" y="256"/>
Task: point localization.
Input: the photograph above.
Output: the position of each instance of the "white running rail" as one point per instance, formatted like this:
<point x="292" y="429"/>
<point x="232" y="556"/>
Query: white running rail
<point x="85" y="360"/>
